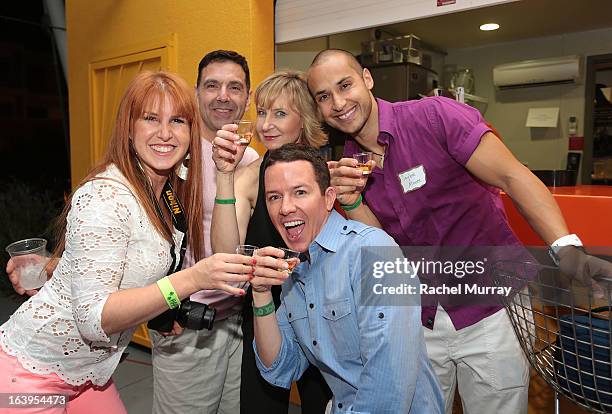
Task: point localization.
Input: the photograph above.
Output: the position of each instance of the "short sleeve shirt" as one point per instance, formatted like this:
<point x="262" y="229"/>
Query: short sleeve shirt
<point x="425" y="196"/>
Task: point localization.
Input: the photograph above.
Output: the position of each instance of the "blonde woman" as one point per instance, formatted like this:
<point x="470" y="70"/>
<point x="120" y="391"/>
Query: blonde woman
<point x="286" y="114"/>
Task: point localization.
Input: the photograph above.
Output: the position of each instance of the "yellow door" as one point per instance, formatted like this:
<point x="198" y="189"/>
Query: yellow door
<point x="108" y="79"/>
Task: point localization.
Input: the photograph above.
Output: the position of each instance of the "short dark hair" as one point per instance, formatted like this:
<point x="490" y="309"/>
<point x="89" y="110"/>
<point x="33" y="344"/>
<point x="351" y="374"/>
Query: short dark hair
<point x="223" y="56"/>
<point x="329" y="53"/>
<point x="301" y="152"/>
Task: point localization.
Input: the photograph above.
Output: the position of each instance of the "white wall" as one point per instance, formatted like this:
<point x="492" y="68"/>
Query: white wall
<point x="294" y="60"/>
<point x="305" y="19"/>
<point x="298" y="55"/>
<point x="543" y="148"/>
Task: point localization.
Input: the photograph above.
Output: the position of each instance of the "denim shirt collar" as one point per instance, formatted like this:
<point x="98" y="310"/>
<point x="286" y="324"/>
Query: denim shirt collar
<point x="328" y="237"/>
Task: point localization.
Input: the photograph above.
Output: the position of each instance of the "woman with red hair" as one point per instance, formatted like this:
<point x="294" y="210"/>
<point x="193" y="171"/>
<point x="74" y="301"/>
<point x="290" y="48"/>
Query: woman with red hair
<point x="119" y="256"/>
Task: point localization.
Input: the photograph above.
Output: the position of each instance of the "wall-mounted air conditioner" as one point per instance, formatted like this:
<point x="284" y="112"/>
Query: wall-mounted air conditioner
<point x="550" y="71"/>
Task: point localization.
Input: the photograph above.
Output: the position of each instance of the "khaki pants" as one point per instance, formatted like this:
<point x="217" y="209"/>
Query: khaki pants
<point x="198" y="371"/>
<point x="484" y="360"/>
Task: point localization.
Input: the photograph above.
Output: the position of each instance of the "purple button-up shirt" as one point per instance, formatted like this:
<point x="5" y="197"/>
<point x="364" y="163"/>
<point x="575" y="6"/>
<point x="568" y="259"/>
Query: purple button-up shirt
<point x="425" y="196"/>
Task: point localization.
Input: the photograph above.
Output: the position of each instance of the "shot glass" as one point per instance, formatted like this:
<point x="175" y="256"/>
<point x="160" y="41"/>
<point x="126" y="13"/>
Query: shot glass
<point x="245" y="250"/>
<point x="291" y="257"/>
<point x="245" y="131"/>
<point x="364" y="162"/>
<point x="30" y="257"/>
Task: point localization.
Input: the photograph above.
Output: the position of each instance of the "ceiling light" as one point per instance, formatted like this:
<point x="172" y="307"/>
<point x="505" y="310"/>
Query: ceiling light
<point x="489" y="26"/>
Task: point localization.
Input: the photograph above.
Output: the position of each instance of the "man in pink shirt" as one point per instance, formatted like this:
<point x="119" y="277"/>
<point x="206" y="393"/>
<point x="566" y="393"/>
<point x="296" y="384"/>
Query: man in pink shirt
<point x="199" y="370"/>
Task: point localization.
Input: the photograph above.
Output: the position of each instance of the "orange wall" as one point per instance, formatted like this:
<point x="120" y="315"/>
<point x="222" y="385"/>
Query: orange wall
<point x="110" y="28"/>
<point x="587" y="210"/>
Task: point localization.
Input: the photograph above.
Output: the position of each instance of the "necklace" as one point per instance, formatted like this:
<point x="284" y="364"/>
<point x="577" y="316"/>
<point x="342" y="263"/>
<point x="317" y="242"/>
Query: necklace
<point x="382" y="158"/>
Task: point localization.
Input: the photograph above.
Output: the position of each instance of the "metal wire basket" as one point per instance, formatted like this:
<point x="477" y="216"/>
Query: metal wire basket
<point x="563" y="330"/>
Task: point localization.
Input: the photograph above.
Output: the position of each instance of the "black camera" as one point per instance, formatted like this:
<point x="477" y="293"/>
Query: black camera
<point x="192" y="315"/>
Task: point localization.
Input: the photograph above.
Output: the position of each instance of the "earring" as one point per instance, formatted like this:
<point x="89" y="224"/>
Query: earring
<point x="182" y="169"/>
<point x="131" y="143"/>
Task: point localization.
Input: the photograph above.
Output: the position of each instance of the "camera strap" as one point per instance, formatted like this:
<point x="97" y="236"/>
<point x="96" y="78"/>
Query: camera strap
<point x="179" y="221"/>
<point x="192" y="315"/>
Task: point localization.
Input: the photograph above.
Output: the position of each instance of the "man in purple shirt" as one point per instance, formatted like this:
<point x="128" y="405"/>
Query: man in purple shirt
<point x="438" y="172"/>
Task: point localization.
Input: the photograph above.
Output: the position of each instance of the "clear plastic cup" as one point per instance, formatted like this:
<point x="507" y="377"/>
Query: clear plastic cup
<point x="30" y="258"/>
<point x="245" y="131"/>
<point x="364" y="162"/>
<point x="291" y="257"/>
<point x="245" y="250"/>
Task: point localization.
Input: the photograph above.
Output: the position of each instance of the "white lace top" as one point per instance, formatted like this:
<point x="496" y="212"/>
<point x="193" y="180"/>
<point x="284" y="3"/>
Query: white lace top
<point x="110" y="245"/>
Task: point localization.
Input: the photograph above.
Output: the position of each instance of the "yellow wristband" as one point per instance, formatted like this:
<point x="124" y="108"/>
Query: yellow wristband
<point x="168" y="292"/>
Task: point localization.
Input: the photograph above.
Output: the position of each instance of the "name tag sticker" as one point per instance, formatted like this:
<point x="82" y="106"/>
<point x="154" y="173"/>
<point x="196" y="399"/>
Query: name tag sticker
<point x="413" y="179"/>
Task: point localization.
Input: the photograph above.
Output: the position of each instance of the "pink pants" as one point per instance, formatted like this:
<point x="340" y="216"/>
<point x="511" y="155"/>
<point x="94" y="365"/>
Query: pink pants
<point x="83" y="399"/>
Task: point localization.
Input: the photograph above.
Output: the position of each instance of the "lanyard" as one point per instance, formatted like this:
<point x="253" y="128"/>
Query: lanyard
<point x="179" y="220"/>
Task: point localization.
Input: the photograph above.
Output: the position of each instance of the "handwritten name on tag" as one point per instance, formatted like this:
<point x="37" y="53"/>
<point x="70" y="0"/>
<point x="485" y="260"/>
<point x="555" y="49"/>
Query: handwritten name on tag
<point x="413" y="179"/>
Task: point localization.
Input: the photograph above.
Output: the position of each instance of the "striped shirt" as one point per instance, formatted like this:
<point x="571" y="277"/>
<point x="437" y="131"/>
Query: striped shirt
<point x="372" y="357"/>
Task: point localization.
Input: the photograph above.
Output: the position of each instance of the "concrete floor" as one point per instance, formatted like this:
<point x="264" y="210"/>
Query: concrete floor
<point x="133" y="377"/>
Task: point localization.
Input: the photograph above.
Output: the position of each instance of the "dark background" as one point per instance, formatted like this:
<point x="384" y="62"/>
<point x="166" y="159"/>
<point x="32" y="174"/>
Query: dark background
<point x="34" y="143"/>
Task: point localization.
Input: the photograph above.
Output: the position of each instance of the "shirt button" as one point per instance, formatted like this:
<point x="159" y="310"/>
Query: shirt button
<point x="290" y="314"/>
<point x="333" y="313"/>
<point x="343" y="228"/>
<point x="314" y="343"/>
<point x="311" y="305"/>
<point x="381" y="315"/>
<point x="339" y="405"/>
<point x="429" y="322"/>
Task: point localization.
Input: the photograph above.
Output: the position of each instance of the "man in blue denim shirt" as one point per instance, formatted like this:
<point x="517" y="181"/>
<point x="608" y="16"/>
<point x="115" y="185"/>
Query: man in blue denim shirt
<point x="372" y="357"/>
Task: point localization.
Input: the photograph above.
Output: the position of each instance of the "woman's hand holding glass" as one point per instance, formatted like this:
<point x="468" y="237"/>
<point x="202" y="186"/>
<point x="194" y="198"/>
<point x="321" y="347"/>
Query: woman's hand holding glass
<point x="227" y="152"/>
<point x="224" y="271"/>
<point x="270" y="269"/>
<point x="15" y="277"/>
<point x="246" y="250"/>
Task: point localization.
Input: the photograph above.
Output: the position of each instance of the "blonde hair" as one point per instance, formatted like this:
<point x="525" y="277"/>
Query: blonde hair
<point x="292" y="84"/>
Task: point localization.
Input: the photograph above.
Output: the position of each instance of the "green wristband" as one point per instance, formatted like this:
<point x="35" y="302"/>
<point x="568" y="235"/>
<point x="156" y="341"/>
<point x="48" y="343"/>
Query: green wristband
<point x="264" y="310"/>
<point x="225" y="200"/>
<point x="169" y="293"/>
<point x="352" y="206"/>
